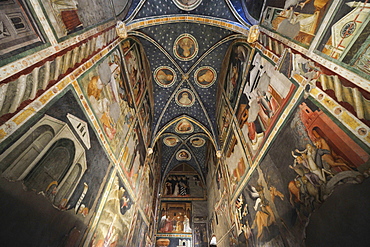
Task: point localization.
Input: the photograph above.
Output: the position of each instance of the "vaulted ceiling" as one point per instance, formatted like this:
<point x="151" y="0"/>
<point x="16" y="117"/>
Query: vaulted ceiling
<point x="186" y="42"/>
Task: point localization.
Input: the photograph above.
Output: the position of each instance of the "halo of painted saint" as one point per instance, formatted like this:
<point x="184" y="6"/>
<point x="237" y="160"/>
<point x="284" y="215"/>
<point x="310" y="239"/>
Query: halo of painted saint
<point x="187" y="5"/>
<point x="170" y="141"/>
<point x="185" y="98"/>
<point x="185" y="47"/>
<point x="205" y="76"/>
<point x="197" y="141"/>
<point x="183" y="154"/>
<point x="184" y="127"/>
<point x="164" y="76"/>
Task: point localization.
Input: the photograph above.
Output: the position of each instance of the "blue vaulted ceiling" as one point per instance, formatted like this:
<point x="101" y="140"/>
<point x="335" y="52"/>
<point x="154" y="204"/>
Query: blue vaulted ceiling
<point x="212" y="43"/>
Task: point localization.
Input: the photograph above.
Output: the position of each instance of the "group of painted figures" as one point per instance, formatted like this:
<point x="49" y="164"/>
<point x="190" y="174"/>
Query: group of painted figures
<point x="176" y="186"/>
<point x="315" y="166"/>
<point x="175" y="224"/>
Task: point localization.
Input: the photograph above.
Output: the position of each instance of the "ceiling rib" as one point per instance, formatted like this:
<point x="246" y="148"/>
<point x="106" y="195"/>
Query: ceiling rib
<point x="207" y="20"/>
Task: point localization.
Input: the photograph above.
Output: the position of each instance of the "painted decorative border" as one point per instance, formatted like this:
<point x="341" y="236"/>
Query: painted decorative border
<point x="211" y="82"/>
<point x="158" y="81"/>
<point x="177" y="45"/>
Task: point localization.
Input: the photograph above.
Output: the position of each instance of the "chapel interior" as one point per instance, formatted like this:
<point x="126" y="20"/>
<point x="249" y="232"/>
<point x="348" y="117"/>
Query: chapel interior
<point x="168" y="123"/>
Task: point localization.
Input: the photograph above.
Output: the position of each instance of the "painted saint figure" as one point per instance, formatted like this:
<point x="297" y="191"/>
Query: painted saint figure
<point x="184" y="99"/>
<point x="164" y="76"/>
<point x="186" y="224"/>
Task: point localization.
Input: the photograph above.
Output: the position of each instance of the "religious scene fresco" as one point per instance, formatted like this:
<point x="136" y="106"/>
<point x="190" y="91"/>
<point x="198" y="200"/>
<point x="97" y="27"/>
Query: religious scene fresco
<point x="224" y="120"/>
<point x="205" y="76"/>
<point x="184" y="126"/>
<point x="147" y="191"/>
<point x="134" y="156"/>
<point x="265" y="94"/>
<point x="298" y="20"/>
<point x="57" y="166"/>
<point x="237" y="70"/>
<point x="200" y="235"/>
<point x="235" y="160"/>
<point x="185" y="97"/>
<point x="345" y="37"/>
<point x="139" y="231"/>
<point x="69" y="16"/>
<point x="105" y="89"/>
<point x="183" y="186"/>
<point x="146" y="117"/>
<point x="294" y="181"/>
<point x="175" y="217"/>
<point x="174" y="227"/>
<point x="134" y="69"/>
<point x="116" y="217"/>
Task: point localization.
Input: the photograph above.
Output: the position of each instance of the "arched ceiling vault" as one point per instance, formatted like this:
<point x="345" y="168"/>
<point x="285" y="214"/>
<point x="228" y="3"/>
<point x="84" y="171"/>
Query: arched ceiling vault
<point x="185" y="42"/>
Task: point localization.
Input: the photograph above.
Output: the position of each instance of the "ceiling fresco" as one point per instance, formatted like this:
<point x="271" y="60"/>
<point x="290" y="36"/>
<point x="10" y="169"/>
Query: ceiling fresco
<point x="186" y="59"/>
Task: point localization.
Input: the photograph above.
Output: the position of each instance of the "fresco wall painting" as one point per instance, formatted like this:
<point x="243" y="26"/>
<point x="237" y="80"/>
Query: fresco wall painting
<point x="256" y="218"/>
<point x="134" y="69"/>
<point x="222" y="221"/>
<point x="345" y="37"/>
<point x="146" y="117"/>
<point x="312" y="75"/>
<point x="115" y="220"/>
<point x="183" y="186"/>
<point x="224" y="120"/>
<point x="309" y="159"/>
<point x="69" y="16"/>
<point x="264" y="96"/>
<point x="133" y="158"/>
<point x="298" y="20"/>
<point x="147" y="191"/>
<point x="237" y="70"/>
<point x="57" y="166"/>
<point x="175" y="224"/>
<point x="104" y="88"/>
<point x="236" y="160"/>
<point x="17" y="30"/>
<point x="139" y="231"/>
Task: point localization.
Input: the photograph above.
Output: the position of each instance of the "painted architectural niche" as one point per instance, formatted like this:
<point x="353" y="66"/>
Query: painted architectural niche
<point x="49" y="159"/>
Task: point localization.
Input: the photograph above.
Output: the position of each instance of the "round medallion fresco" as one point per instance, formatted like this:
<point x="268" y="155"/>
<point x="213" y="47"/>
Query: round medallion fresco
<point x="171" y="141"/>
<point x="205" y="76"/>
<point x="164" y="76"/>
<point x="184" y="127"/>
<point x="197" y="142"/>
<point x="185" y="47"/>
<point x="187" y="4"/>
<point x="185" y="98"/>
<point x="183" y="154"/>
